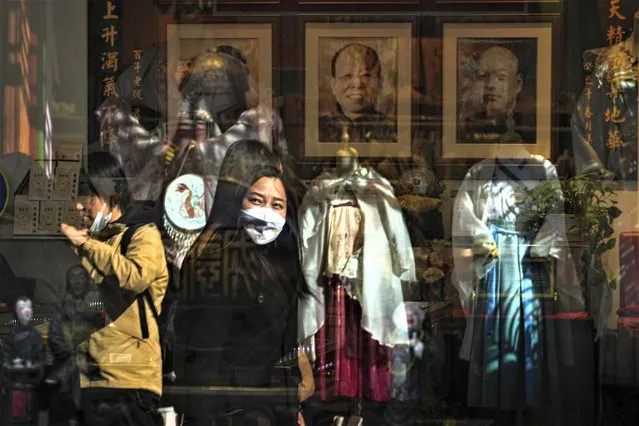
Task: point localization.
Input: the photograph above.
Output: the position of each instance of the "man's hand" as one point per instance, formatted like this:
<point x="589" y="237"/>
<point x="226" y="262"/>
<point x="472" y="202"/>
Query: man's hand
<point x="75" y="235"/>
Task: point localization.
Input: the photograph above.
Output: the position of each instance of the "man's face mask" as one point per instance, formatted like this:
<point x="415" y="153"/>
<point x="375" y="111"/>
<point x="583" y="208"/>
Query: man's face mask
<point x="101" y="221"/>
<point x="263" y="225"/>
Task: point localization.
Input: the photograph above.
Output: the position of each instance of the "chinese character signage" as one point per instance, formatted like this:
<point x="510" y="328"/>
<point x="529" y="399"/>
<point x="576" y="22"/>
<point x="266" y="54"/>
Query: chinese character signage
<point x="110" y="42"/>
<point x="615" y="35"/>
<point x="137" y="80"/>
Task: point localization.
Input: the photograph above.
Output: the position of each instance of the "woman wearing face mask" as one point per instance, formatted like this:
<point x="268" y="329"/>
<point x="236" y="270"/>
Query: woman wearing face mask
<point x="241" y="282"/>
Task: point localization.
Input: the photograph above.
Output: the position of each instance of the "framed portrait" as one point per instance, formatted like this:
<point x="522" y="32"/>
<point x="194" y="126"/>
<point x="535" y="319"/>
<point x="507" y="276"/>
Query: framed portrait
<point x="187" y="41"/>
<point x="358" y="88"/>
<point x="496" y="89"/>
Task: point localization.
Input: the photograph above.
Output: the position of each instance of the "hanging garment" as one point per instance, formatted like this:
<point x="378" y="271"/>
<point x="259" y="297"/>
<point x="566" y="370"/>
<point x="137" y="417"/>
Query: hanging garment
<point x="506" y="349"/>
<point x="359" y="364"/>
<point x="353" y="364"/>
<point x="386" y="251"/>
<point x="347" y="223"/>
<point x="512" y="346"/>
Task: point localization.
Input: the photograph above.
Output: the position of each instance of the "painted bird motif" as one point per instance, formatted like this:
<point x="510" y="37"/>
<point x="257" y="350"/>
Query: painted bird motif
<point x="190" y="211"/>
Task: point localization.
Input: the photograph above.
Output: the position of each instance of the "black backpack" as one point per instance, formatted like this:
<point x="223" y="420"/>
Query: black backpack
<point x="165" y="320"/>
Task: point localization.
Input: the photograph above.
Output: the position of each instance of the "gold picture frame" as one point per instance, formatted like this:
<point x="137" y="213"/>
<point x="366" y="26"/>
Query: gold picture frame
<point x="392" y="41"/>
<point x="532" y="44"/>
<point x="254" y="40"/>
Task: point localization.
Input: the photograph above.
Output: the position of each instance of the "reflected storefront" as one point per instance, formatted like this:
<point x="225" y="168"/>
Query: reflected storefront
<point x="372" y="212"/>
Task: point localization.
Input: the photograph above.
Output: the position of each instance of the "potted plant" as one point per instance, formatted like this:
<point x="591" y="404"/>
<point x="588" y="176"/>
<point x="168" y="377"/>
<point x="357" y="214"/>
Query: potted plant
<point x="589" y="209"/>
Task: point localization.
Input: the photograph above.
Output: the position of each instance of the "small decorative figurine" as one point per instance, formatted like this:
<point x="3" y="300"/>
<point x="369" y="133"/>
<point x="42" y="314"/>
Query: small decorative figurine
<point x="24" y="346"/>
<point x="410" y="365"/>
<point x="406" y="357"/>
<point x="23" y="367"/>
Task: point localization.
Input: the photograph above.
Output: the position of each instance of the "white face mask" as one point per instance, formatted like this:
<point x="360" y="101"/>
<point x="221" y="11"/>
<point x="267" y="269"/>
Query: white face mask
<point x="262" y="224"/>
<point x="100" y="222"/>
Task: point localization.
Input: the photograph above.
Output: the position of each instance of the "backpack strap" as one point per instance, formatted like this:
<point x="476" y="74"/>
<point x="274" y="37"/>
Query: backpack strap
<point x="124" y="245"/>
<point x="128" y="236"/>
<point x="143" y="324"/>
<point x="149" y="300"/>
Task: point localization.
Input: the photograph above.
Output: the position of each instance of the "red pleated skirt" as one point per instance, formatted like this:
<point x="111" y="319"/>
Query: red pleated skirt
<point x="351" y="363"/>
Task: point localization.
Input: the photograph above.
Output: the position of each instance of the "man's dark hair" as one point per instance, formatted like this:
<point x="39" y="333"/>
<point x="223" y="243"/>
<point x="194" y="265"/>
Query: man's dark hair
<point x="371" y="58"/>
<point x="107" y="180"/>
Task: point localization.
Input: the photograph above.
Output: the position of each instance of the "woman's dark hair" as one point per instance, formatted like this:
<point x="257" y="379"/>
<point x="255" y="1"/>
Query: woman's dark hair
<point x="107" y="180"/>
<point x="244" y="155"/>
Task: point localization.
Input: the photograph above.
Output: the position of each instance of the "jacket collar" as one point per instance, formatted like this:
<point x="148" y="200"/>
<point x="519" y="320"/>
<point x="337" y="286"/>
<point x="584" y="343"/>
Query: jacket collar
<point x="113" y="228"/>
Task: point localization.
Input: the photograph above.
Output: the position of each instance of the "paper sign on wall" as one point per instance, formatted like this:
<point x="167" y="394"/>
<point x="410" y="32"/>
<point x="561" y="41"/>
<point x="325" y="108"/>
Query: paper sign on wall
<point x="40" y="187"/>
<point x="68" y="153"/>
<point x="65" y="181"/>
<point x="26" y="214"/>
<point x="50" y="217"/>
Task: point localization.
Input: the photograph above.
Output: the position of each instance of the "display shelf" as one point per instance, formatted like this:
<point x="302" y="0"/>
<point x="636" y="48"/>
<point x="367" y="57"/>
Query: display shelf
<point x="34" y="238"/>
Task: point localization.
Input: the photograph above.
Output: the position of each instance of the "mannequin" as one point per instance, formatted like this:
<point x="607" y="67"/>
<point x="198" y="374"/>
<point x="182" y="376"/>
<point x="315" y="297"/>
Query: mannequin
<point x="604" y="123"/>
<point x="348" y="220"/>
<point x="504" y="276"/>
<point x="410" y="368"/>
<point x="24" y="346"/>
<point x="23" y="366"/>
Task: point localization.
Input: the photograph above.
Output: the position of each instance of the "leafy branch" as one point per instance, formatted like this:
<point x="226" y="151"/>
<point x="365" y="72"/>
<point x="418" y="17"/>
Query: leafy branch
<point x="590" y="200"/>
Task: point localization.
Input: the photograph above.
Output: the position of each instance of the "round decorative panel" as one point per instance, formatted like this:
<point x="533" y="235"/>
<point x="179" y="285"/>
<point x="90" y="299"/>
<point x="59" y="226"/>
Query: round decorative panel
<point x="184" y="203"/>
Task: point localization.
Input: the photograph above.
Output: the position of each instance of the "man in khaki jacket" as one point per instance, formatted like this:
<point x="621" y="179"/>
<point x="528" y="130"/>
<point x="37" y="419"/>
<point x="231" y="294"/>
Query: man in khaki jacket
<point x="121" y="377"/>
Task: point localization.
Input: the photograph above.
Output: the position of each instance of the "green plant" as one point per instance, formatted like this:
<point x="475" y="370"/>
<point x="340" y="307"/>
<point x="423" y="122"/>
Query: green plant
<point x="589" y="202"/>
